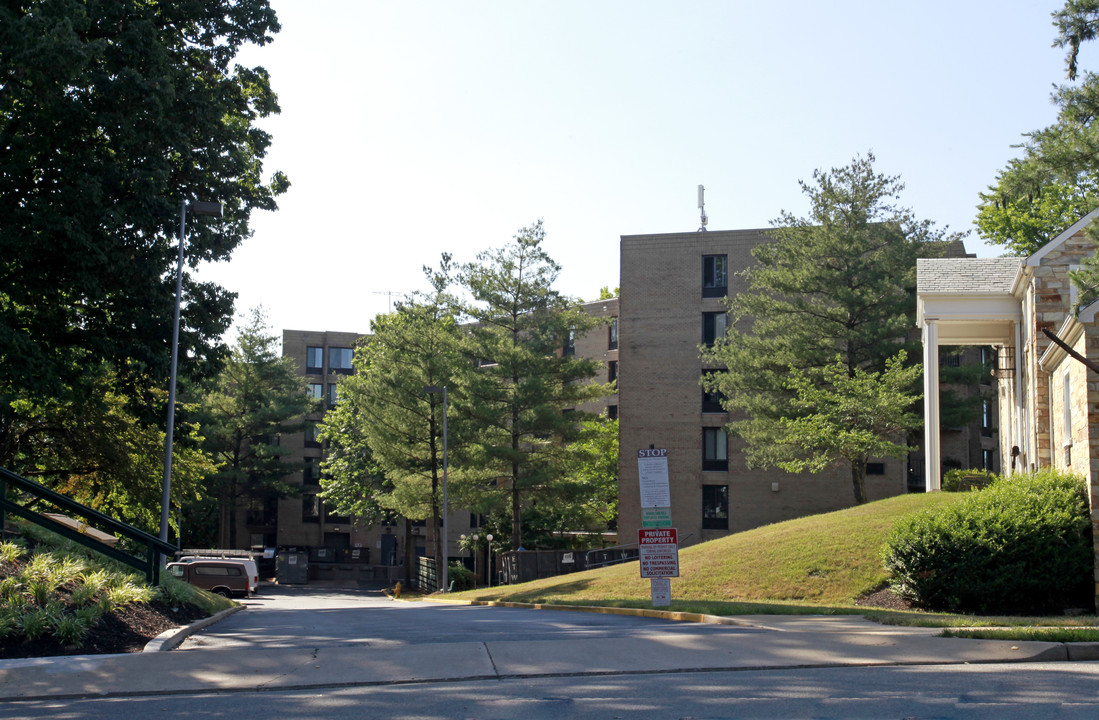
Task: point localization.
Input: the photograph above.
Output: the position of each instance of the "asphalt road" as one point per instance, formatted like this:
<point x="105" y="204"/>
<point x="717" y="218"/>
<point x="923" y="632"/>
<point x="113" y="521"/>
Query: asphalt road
<point x="331" y="655"/>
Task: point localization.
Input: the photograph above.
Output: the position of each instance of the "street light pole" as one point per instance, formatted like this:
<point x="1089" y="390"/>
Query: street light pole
<point x="209" y="209"/>
<point x="488" y="570"/>
<point x="446" y="569"/>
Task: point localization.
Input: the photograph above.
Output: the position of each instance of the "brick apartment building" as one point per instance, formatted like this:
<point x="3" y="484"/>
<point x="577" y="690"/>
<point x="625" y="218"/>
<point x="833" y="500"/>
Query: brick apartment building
<point x="673" y="293"/>
<point x="673" y="299"/>
<point x="338" y="546"/>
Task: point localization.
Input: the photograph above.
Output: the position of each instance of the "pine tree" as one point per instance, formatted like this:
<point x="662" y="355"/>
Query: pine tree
<point x="528" y="380"/>
<point x="838" y="284"/>
<point x="258" y="396"/>
<point x="386" y="434"/>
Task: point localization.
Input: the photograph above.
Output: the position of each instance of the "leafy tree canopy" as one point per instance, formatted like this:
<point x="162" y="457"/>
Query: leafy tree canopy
<point x="111" y="114"/>
<point x="258" y="395"/>
<point x="838" y="416"/>
<point x="527" y="378"/>
<point x="836" y="286"/>
<point x="1056" y="181"/>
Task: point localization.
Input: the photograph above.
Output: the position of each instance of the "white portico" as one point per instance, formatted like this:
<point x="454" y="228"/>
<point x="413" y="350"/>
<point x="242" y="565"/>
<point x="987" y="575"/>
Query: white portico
<point x="967" y="301"/>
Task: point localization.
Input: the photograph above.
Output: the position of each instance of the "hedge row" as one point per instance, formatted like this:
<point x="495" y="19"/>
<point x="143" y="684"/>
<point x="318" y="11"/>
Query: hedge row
<point x="1020" y="546"/>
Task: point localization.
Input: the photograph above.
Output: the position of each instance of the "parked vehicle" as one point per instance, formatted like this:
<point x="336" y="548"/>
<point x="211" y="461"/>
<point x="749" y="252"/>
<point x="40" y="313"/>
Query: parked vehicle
<point x="223" y="577"/>
<point x="249" y="566"/>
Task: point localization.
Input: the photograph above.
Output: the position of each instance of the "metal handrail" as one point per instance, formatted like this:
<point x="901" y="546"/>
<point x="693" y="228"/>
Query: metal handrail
<point x="154" y="546"/>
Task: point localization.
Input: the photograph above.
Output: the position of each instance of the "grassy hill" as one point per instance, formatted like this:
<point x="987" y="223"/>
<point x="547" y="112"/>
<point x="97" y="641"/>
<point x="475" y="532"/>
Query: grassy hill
<point x="821" y="561"/>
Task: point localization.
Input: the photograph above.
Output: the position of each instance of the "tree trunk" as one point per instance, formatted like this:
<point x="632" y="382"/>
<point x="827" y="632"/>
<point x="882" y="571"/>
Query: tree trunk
<point x="858" y="479"/>
<point x="409" y="555"/>
<point x="516" y="514"/>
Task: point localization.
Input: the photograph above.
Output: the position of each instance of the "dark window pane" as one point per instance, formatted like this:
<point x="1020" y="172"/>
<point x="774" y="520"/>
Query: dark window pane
<point x="712" y="400"/>
<point x="715" y="507"/>
<point x="715" y="449"/>
<point x="715" y="275"/>
<point x="713" y="326"/>
<point x="314" y="360"/>
<point x="339" y="360"/>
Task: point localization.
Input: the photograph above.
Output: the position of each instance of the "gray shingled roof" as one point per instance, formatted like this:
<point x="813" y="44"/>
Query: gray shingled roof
<point x="966" y="275"/>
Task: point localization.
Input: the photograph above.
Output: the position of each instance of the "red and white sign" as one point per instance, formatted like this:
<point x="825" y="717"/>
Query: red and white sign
<point x="658" y="550"/>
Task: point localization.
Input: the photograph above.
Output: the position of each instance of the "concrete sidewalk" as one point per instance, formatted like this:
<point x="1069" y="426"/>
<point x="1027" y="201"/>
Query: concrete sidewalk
<point x="760" y="642"/>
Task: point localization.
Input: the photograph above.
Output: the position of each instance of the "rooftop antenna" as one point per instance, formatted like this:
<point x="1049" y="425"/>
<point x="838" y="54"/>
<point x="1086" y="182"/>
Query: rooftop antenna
<point x="702" y="207"/>
<point x="390" y="293"/>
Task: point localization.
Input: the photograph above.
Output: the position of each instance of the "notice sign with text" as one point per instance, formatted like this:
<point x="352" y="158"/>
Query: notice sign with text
<point x="661" y="589"/>
<point x="658" y="551"/>
<point x="652" y="470"/>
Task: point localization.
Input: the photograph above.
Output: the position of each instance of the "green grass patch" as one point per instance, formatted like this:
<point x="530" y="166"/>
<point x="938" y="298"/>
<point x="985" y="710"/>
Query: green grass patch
<point x="1047" y="634"/>
<point x="815" y="565"/>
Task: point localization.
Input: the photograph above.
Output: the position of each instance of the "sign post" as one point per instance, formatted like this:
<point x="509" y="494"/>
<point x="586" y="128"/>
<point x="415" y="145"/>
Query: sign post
<point x="657" y="543"/>
<point x="656" y="498"/>
<point x="658" y="551"/>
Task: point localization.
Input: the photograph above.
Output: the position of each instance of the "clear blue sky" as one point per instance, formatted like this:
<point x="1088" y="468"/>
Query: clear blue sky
<point x="414" y="128"/>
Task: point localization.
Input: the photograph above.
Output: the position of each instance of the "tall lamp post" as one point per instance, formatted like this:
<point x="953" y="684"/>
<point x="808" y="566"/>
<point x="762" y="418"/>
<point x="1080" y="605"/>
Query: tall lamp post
<point x="208" y="209"/>
<point x="432" y="389"/>
<point x="488" y="570"/>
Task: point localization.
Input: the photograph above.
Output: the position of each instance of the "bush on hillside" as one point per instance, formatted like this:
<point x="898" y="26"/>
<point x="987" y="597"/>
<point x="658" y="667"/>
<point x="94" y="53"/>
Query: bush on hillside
<point x="1023" y="545"/>
<point x="961" y="480"/>
<point x="461" y="577"/>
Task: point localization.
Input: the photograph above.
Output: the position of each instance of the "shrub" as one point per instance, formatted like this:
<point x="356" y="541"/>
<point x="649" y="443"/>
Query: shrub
<point x="70" y="629"/>
<point x="1022" y="545"/>
<point x="461" y="577"/>
<point x="10" y="551"/>
<point x="959" y="480"/>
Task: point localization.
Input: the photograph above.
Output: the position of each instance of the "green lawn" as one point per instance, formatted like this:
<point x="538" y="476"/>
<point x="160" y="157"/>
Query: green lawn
<point x="818" y="564"/>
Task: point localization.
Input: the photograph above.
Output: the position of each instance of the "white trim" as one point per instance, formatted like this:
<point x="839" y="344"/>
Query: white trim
<point x="1056" y="242"/>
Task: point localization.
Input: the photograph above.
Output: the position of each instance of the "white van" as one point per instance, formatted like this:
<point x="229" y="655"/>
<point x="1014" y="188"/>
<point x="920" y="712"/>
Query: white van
<point x="249" y="565"/>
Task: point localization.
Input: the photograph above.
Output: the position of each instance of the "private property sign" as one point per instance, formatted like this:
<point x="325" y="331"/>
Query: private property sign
<point x="658" y="550"/>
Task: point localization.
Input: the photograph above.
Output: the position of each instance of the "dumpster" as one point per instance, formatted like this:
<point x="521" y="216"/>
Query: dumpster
<point x="293" y="568"/>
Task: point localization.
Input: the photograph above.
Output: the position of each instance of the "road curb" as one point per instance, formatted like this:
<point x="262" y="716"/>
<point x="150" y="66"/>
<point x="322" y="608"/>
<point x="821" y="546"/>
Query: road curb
<point x="171" y="639"/>
<point x="632" y="612"/>
<point x="1062" y="652"/>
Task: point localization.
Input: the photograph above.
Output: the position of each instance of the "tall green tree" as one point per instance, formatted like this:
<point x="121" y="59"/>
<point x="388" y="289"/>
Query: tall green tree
<point x="839" y="283"/>
<point x="1056" y="180"/>
<point x="841" y="417"/>
<point x="111" y="114"/>
<point x="258" y="396"/>
<point x="528" y="375"/>
<point x="386" y="434"/>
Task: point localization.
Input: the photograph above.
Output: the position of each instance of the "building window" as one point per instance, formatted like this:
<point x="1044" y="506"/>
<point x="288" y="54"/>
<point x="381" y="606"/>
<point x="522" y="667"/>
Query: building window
<point x="713" y="326"/>
<point x="988" y="460"/>
<point x="316" y="391"/>
<point x="331" y="516"/>
<point x="612" y="335"/>
<point x="612" y="412"/>
<point x="715" y="449"/>
<point x="339" y="360"/>
<point x="713" y="401"/>
<point x="310" y="508"/>
<point x="311" y="471"/>
<point x="333" y="394"/>
<point x="986" y="417"/>
<point x="314" y="360"/>
<point x="310" y="431"/>
<point x="715" y="507"/>
<point x="570" y="343"/>
<point x="612" y="370"/>
<point x="715" y="275"/>
<point x="875" y="468"/>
